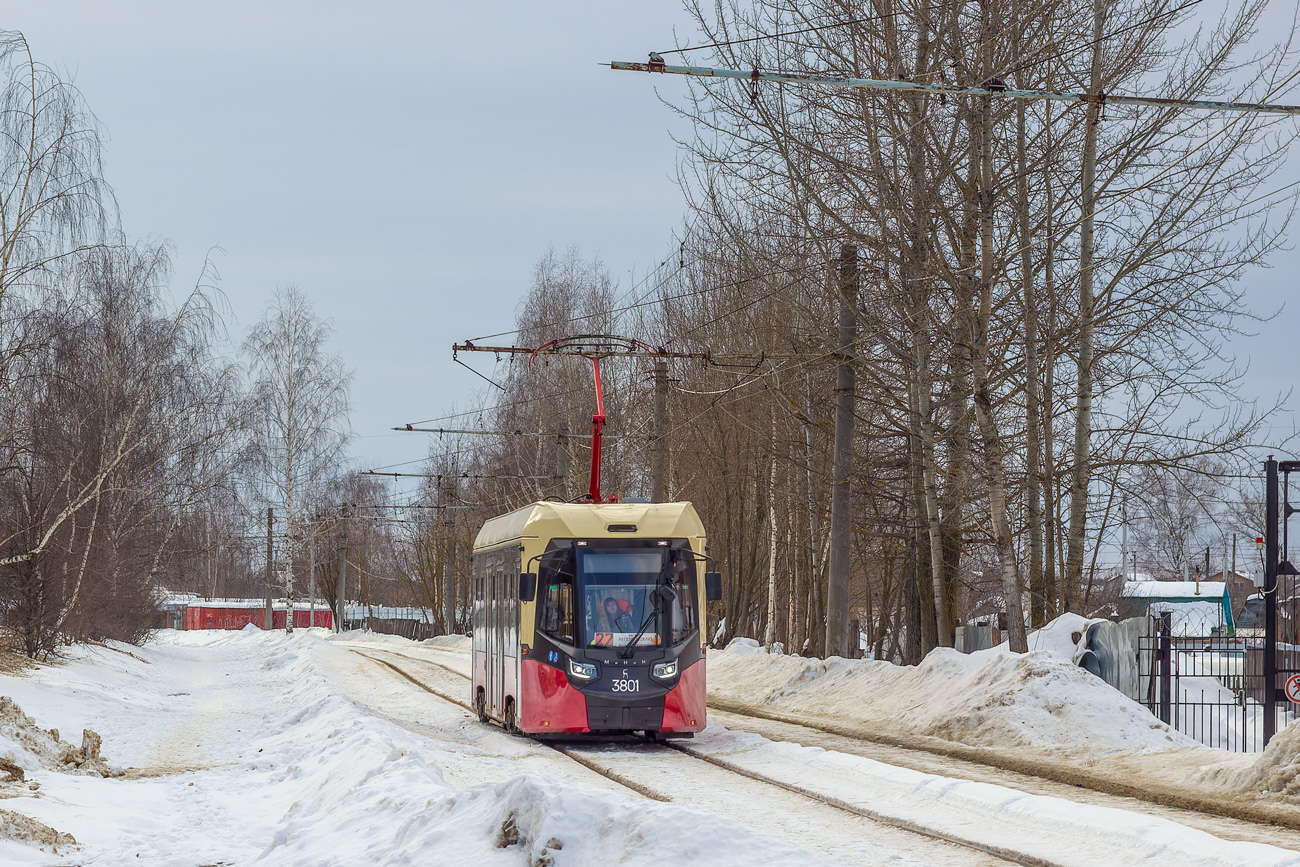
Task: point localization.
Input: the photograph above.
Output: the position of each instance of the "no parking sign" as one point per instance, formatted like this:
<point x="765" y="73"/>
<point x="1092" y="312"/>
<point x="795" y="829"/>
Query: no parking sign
<point x="1293" y="688"/>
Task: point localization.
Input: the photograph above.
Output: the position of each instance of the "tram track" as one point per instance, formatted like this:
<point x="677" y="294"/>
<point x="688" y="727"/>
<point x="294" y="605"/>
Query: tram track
<point x="1031" y="774"/>
<point x="588" y="756"/>
<point x="1224" y="816"/>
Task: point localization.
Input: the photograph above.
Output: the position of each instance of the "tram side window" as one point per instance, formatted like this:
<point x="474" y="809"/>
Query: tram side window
<point x="555" y="576"/>
<point x="685" y="619"/>
<point x="480" y="641"/>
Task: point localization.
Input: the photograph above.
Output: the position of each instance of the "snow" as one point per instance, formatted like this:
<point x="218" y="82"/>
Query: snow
<point x="259" y="748"/>
<point x="240" y="748"/>
<point x="990" y="698"/>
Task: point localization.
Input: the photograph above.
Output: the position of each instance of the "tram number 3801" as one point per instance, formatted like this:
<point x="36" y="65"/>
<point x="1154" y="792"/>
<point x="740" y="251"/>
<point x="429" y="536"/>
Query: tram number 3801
<point x="626" y="684"/>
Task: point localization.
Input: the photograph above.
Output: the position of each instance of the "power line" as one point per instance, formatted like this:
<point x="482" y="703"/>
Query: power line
<point x="815" y="29"/>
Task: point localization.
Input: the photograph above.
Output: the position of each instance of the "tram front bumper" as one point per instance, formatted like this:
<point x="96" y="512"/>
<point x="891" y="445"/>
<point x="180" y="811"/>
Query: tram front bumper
<point x="624" y="714"/>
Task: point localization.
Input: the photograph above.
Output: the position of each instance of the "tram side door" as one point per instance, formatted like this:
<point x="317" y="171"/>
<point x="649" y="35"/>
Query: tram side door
<point x="496" y="659"/>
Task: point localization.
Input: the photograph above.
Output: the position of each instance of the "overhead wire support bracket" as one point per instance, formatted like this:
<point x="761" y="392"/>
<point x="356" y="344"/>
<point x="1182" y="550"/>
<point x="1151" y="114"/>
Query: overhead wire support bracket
<point x="995" y="88"/>
<point x="450" y="476"/>
<point x="497" y="433"/>
<point x="594" y="347"/>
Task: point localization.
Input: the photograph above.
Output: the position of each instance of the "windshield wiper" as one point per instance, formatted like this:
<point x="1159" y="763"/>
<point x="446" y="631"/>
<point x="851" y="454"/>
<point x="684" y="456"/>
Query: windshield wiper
<point x="661" y="593"/>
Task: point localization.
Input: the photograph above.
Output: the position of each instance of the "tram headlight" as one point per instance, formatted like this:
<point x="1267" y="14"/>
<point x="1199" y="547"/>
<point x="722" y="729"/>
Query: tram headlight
<point x="664" y="670"/>
<point x="583" y="670"/>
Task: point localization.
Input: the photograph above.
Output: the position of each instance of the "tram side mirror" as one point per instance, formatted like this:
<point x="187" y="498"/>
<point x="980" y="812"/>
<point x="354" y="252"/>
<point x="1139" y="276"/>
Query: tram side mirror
<point x="527" y="586"/>
<point x="713" y="586"/>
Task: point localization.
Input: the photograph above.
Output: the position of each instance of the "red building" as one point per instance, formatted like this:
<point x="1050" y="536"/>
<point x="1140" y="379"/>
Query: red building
<point x="238" y="613"/>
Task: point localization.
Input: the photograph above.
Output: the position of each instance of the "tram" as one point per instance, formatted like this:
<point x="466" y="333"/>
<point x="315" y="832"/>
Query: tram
<point x="590" y="616"/>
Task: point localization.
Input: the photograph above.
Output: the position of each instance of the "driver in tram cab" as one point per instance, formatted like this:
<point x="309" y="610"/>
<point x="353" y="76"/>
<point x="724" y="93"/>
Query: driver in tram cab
<point x="619" y="617"/>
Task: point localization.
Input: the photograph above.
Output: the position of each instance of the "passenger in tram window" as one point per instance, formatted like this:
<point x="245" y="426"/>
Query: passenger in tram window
<point x="618" y="614"/>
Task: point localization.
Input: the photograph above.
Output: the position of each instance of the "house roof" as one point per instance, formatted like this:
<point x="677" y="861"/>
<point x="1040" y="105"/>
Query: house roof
<point x="1187" y="590"/>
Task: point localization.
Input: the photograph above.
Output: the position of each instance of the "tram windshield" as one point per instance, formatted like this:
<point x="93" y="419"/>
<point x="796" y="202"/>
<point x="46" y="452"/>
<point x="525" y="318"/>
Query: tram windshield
<point x="619" y="596"/>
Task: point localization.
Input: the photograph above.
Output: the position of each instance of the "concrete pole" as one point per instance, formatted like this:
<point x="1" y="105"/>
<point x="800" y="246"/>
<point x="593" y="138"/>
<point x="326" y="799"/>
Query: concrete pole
<point x="1270" y="599"/>
<point x="1123" y="545"/>
<point x="658" y="445"/>
<point x="837" y="590"/>
<point x="340" y="593"/>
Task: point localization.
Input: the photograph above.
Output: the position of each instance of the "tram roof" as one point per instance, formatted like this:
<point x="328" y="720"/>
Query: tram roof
<point x="591" y="521"/>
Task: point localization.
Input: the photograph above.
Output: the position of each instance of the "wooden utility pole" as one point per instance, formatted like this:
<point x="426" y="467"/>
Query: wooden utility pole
<point x="268" y="618"/>
<point x="658" y="445"/>
<point x="340" y="593"/>
<point x="837" y="590"/>
<point x="769" y="634"/>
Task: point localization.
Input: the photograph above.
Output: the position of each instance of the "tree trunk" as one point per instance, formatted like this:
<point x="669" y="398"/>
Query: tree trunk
<point x="1082" y="472"/>
<point x="1033" y="420"/>
<point x="994" y="467"/>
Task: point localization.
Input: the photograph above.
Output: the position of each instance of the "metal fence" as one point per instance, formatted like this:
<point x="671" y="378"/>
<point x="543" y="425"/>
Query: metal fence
<point x="1210" y="687"/>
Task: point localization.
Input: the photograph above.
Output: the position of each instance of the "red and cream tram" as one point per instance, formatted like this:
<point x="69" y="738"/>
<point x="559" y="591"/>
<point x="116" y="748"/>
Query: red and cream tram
<point x="591" y="618"/>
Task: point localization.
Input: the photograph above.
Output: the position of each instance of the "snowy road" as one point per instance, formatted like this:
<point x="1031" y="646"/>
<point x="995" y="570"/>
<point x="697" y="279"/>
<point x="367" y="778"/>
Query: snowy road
<point x="254" y="748"/>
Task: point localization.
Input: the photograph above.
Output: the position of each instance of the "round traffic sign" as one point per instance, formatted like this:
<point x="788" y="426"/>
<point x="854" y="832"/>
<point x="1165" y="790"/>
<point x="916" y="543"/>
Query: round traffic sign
<point x="1293" y="688"/>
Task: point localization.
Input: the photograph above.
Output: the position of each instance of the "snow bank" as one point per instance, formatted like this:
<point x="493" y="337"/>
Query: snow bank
<point x="459" y="643"/>
<point x="1274" y="771"/>
<point x="25" y="746"/>
<point x="992" y="698"/>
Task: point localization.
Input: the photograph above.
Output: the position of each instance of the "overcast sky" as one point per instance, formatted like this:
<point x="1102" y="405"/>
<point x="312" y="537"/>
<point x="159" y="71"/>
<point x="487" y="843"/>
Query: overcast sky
<point x="405" y="164"/>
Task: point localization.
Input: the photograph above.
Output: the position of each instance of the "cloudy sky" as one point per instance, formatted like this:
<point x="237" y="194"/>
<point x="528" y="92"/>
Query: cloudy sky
<point x="405" y="163"/>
